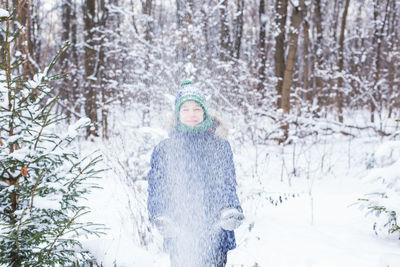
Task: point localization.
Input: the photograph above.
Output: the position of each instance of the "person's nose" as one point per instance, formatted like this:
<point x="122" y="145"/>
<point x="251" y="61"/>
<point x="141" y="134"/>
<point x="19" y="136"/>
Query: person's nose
<point x="192" y="114"/>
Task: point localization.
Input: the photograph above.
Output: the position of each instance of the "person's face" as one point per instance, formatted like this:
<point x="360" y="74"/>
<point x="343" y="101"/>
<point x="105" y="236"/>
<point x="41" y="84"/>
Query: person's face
<point x="191" y="113"/>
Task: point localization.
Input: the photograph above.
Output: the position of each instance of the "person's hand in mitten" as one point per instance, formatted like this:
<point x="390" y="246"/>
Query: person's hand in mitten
<point x="231" y="219"/>
<point x="165" y="226"/>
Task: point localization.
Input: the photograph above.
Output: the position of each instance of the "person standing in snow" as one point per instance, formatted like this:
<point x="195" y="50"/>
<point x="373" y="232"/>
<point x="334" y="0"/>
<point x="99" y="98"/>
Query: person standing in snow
<point x="192" y="197"/>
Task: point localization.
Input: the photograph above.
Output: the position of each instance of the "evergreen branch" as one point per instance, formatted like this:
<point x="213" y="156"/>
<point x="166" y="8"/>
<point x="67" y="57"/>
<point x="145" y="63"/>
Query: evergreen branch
<point x="58" y="144"/>
<point x="47" y="48"/>
<point x="55" y="59"/>
<point x="73" y="181"/>
<point x="62" y="231"/>
<point x="34" y="189"/>
<point x="39" y="116"/>
<point x="81" y="171"/>
<point x="5" y="169"/>
<point x="28" y="96"/>
<point x="64" y="48"/>
<point x="45" y="120"/>
<point x="67" y="108"/>
<point x="16" y="234"/>
<point x="293" y="5"/>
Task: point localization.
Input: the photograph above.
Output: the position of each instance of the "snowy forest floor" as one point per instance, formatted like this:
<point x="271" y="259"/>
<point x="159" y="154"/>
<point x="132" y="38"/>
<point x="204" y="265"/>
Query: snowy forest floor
<point x="300" y="203"/>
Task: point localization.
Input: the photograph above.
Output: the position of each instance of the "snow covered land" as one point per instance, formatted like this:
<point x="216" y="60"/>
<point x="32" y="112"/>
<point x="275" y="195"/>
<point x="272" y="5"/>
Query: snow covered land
<point x="301" y="201"/>
<point x="309" y="90"/>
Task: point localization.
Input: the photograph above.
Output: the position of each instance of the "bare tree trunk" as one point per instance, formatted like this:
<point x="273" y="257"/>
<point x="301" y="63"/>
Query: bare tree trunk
<point x="339" y="98"/>
<point x="105" y="71"/>
<point x="66" y="95"/>
<point x="36" y="39"/>
<point x="306" y="42"/>
<point x="263" y="52"/>
<point x="374" y="41"/>
<point x="180" y="12"/>
<point x="318" y="53"/>
<point x="238" y="25"/>
<point x="332" y="82"/>
<point x="25" y="41"/>
<point x="296" y="19"/>
<point x="377" y="41"/>
<point x="225" y="37"/>
<point x="393" y="27"/>
<point x="206" y="32"/>
<point x="147" y="8"/>
<point x="336" y="14"/>
<point x="133" y="16"/>
<point x="187" y="34"/>
<point x="91" y="104"/>
<point x="66" y="27"/>
<point x="75" y="86"/>
<point x="279" y="57"/>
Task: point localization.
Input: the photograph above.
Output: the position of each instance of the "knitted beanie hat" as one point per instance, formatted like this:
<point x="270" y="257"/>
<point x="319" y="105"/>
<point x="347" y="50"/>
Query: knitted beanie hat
<point x="189" y="92"/>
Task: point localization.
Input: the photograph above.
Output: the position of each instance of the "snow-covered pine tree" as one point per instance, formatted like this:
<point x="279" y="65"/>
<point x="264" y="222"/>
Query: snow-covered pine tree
<point x="41" y="177"/>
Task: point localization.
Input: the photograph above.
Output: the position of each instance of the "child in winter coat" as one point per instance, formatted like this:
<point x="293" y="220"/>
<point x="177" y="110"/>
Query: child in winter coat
<point x="192" y="186"/>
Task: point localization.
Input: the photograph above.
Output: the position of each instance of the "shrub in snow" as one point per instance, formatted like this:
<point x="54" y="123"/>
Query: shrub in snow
<point x="385" y="201"/>
<point x="41" y="177"/>
<point x="126" y="155"/>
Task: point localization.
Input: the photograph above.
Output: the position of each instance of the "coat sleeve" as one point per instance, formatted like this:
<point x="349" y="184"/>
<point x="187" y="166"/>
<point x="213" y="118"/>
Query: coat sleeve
<point x="230" y="198"/>
<point x="156" y="185"/>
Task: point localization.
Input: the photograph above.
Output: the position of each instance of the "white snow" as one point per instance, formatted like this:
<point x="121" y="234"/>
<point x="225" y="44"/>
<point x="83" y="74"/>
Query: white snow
<point x="73" y="128"/>
<point x="340" y="235"/>
<point x="387" y="153"/>
<point x="154" y="131"/>
<point x="318" y="224"/>
<point x="36" y="81"/>
<point x="4" y="13"/>
<point x="3" y="90"/>
<point x="48" y="202"/>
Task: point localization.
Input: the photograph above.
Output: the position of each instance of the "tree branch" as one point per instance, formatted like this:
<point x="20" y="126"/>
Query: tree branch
<point x="34" y="189"/>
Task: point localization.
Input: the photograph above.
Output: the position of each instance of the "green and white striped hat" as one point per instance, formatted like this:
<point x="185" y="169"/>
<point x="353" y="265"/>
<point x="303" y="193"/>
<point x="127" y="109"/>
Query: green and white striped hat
<point x="189" y="92"/>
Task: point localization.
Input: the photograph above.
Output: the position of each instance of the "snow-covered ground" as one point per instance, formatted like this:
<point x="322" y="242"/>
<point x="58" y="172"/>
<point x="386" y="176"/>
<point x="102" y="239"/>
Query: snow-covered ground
<point x="300" y="203"/>
<point x="321" y="225"/>
<point x="324" y="230"/>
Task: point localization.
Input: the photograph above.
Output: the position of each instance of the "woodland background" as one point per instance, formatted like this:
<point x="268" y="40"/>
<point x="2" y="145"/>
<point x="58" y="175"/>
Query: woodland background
<point x="309" y="88"/>
<point x="309" y="58"/>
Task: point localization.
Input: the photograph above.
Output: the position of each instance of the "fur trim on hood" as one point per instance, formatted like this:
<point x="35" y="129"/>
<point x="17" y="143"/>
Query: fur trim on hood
<point x="221" y="129"/>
